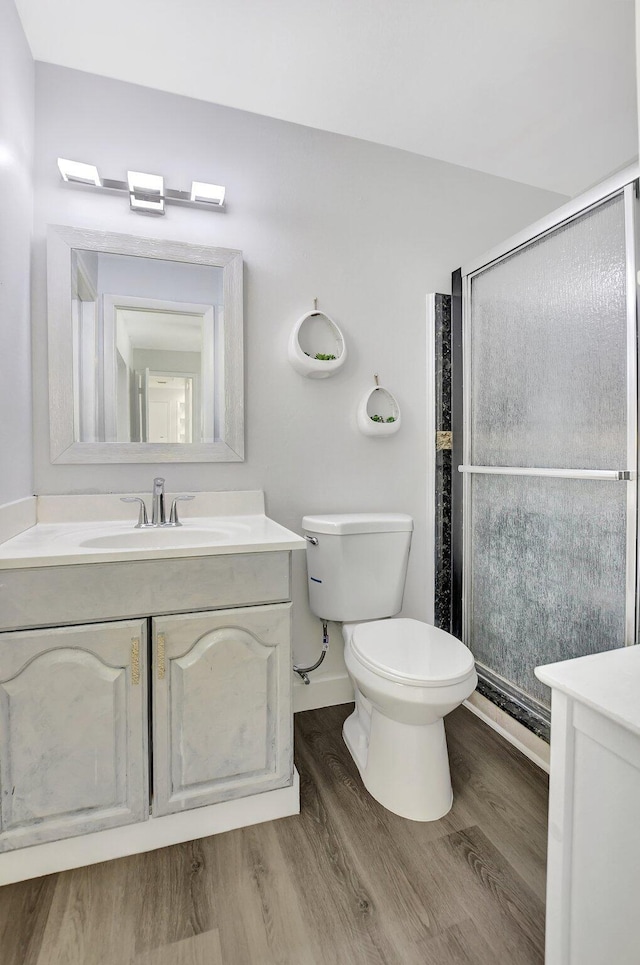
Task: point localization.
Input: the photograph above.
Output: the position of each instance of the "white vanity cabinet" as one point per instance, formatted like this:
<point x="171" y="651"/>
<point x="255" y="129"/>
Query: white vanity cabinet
<point x="187" y="677"/>
<point x="222" y="717"/>
<point x="73" y="731"/>
<point x="593" y="867"/>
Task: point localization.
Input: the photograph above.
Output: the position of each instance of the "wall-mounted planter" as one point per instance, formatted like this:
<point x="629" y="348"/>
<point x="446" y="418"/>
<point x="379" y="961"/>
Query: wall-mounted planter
<point x="315" y="334"/>
<point x="378" y="413"/>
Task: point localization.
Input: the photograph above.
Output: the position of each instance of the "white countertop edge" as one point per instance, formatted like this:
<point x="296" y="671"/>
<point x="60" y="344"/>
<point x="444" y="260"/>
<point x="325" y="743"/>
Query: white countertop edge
<point x="133" y="555"/>
<point x="607" y="682"/>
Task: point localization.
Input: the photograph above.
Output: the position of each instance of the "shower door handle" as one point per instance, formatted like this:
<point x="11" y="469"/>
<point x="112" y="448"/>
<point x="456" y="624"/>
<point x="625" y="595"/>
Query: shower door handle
<point x="613" y="475"/>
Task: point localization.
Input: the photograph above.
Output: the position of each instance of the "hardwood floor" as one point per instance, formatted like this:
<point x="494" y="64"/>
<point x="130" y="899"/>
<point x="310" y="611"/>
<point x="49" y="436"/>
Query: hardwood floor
<point x="345" y="883"/>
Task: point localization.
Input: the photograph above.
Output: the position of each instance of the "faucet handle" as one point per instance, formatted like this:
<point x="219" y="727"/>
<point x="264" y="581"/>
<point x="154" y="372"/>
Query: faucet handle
<point x="142" y="512"/>
<point x="173" y="515"/>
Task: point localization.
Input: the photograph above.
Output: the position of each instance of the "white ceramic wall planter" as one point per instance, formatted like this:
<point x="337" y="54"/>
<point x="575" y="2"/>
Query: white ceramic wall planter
<point x="378" y="401"/>
<point x="316" y="334"/>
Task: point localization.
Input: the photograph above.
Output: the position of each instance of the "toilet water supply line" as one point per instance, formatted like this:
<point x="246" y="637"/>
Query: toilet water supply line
<point x="305" y="671"/>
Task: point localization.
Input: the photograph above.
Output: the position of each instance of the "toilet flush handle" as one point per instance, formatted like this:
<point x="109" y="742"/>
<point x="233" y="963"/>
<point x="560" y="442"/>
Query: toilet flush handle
<point x="312" y="539"/>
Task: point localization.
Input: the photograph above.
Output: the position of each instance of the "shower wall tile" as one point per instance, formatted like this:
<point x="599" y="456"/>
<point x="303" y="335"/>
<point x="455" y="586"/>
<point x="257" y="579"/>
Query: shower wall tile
<point x="442" y="611"/>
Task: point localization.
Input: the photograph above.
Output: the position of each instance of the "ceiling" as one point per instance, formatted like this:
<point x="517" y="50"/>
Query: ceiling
<point x="167" y="331"/>
<point x="539" y="91"/>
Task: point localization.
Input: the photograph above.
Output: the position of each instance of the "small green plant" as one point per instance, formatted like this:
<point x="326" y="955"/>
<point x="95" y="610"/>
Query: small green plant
<point x="379" y="418"/>
<point x="322" y="358"/>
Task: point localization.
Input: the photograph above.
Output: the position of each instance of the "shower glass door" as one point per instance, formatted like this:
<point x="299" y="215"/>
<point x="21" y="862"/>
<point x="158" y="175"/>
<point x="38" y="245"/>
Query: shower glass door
<point x="550" y="400"/>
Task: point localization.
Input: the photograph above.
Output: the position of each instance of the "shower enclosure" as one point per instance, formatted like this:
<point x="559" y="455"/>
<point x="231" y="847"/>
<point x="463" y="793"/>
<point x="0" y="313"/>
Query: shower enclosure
<point x="545" y="444"/>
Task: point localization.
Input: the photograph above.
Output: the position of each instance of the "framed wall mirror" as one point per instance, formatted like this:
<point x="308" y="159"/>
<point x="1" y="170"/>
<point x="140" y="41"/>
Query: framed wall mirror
<point x="145" y="349"/>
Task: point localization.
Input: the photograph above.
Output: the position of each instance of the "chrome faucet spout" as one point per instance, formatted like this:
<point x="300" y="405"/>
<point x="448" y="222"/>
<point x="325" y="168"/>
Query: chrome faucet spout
<point x="158" y="517"/>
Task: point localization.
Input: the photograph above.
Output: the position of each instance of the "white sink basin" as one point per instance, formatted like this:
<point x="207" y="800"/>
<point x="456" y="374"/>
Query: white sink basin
<point x="157" y="538"/>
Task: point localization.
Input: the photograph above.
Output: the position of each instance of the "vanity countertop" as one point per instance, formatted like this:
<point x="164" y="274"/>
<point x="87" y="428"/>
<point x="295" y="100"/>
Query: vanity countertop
<point x="607" y="682"/>
<point x="60" y="544"/>
<point x="101" y="529"/>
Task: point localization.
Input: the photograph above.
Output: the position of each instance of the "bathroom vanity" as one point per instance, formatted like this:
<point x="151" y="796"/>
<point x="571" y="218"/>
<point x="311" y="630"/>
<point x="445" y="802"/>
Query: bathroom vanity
<point x="145" y="680"/>
<point x="594" y="836"/>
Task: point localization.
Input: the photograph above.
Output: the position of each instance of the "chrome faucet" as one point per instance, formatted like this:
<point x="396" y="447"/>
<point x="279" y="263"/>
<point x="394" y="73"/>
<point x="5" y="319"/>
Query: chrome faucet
<point x="158" y="517"/>
<point x="158" y="514"/>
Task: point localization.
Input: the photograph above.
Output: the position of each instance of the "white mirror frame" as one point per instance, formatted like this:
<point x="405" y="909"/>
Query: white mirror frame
<point x="61" y="240"/>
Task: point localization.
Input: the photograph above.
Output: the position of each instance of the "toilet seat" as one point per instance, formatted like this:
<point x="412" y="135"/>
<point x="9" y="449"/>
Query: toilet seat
<point x="411" y="652"/>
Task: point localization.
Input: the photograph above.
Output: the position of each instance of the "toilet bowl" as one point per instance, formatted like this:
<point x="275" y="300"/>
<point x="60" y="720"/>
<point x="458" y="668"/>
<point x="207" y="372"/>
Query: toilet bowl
<point x="407" y="676"/>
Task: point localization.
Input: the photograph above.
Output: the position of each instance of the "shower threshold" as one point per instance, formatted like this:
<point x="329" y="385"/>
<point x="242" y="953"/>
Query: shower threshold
<point x="525" y="710"/>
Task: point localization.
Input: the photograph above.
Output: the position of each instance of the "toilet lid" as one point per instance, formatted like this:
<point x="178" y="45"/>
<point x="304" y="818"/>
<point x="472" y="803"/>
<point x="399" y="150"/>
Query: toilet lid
<point x="412" y="652"/>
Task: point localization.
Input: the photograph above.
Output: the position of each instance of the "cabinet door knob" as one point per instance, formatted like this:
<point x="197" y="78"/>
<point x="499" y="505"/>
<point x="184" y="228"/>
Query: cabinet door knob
<point x="135" y="660"/>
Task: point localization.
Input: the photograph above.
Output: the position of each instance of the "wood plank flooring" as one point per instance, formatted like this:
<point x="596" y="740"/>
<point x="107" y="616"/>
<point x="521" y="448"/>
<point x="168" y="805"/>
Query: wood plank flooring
<point x="345" y="883"/>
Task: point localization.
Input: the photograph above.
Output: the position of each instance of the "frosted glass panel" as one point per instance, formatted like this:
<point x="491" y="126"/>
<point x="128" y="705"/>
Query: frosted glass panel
<point x="548" y="350"/>
<point x="548" y="572"/>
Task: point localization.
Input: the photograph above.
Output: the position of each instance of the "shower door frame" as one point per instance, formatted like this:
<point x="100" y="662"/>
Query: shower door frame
<point x="624" y="183"/>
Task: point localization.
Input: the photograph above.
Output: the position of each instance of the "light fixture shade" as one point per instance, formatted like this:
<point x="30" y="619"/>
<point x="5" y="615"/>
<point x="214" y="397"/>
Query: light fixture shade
<point x="208" y="193"/>
<point x="79" y="171"/>
<point x="146" y="192"/>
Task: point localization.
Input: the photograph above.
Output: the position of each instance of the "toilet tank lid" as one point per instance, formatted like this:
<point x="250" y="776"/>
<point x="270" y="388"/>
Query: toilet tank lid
<point x="339" y="524"/>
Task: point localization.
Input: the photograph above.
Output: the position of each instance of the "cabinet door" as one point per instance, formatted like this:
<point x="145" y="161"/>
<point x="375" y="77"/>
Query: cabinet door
<point x="73" y="731"/>
<point x="222" y="718"/>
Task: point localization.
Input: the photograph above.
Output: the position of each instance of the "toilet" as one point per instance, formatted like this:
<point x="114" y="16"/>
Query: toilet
<point x="407" y="674"/>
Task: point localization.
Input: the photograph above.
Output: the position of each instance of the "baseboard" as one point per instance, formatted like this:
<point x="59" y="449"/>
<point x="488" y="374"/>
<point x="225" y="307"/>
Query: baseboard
<point x="86" y="849"/>
<point x="323" y="691"/>
<point x="526" y="742"/>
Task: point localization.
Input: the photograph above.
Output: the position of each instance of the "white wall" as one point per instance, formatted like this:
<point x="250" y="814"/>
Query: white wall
<point x="166" y="280"/>
<point x="16" y="214"/>
<point x="367" y="229"/>
<point x="160" y="360"/>
<point x="637" y="11"/>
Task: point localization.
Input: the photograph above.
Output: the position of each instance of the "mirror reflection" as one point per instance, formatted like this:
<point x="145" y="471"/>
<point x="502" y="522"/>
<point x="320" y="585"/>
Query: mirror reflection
<point x="147" y="349"/>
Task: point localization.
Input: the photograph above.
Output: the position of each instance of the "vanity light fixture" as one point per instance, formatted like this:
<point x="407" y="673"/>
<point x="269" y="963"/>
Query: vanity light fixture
<point x="147" y="193"/>
<point x="207" y="193"/>
<point x="79" y="172"/>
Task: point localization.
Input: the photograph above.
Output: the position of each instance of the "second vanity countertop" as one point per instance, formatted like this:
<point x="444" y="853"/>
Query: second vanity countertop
<point x="607" y="682"/>
<point x="234" y="523"/>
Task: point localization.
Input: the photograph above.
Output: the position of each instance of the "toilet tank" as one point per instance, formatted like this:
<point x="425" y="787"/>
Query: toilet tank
<point x="357" y="568"/>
